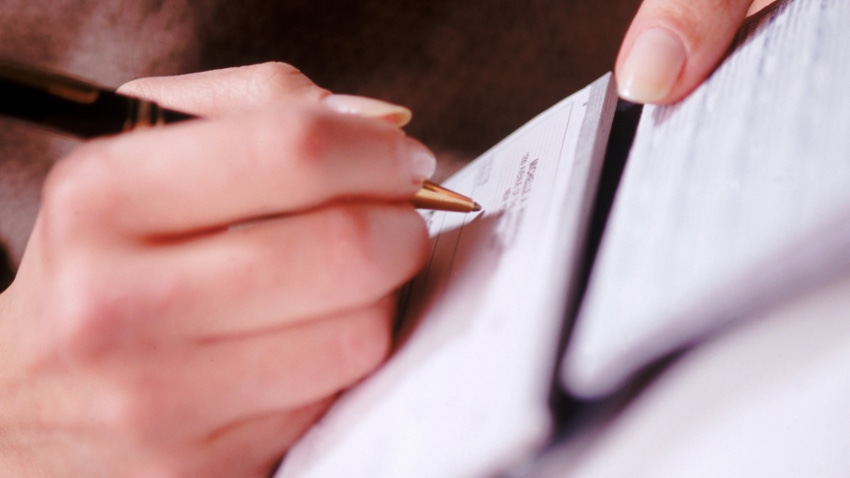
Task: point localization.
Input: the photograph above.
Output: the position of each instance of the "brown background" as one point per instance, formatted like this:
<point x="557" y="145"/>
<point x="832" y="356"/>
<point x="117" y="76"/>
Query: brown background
<point x="471" y="70"/>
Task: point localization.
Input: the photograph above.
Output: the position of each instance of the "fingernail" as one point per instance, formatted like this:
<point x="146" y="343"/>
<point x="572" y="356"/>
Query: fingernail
<point x="423" y="163"/>
<point x="369" y="108"/>
<point x="654" y="63"/>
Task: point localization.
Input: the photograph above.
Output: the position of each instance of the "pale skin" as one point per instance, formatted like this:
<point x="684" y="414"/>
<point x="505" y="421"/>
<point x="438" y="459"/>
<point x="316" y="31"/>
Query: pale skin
<point x="193" y="298"/>
<point x="682" y="41"/>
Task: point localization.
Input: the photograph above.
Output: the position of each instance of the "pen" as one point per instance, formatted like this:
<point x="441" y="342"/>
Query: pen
<point x="79" y="108"/>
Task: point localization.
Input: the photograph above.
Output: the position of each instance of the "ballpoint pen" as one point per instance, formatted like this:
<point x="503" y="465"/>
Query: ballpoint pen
<point x="79" y="108"/>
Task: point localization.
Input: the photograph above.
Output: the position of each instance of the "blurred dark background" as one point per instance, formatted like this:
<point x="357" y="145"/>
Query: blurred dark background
<point x="472" y="71"/>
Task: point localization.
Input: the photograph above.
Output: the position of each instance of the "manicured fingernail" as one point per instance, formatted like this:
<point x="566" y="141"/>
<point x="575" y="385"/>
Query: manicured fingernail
<point x="423" y="163"/>
<point x="654" y="63"/>
<point x="369" y="108"/>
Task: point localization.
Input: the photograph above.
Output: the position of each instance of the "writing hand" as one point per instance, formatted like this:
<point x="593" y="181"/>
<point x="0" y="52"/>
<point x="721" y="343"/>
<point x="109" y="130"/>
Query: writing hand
<point x="194" y="296"/>
<point x="673" y="45"/>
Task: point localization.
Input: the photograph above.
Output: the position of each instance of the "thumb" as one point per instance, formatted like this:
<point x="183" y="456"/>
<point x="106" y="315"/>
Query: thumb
<point x="220" y="92"/>
<point x="673" y="45"/>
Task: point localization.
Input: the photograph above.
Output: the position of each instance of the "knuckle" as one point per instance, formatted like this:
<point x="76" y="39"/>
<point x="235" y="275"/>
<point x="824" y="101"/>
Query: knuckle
<point x="276" y="80"/>
<point x="98" y="314"/>
<point x="121" y="412"/>
<point x="364" y="345"/>
<point x="371" y="250"/>
<point x="310" y="138"/>
<point x="293" y="139"/>
<point x="350" y="254"/>
<point x="132" y="412"/>
<point x="76" y="190"/>
<point x="87" y="323"/>
<point x="349" y="232"/>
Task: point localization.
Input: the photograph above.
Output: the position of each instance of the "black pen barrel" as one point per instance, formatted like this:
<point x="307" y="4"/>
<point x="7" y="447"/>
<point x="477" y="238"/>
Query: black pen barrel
<point x="104" y="113"/>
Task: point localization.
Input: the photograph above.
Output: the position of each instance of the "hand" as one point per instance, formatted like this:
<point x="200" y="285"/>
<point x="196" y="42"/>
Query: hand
<point x="673" y="45"/>
<point x="194" y="296"/>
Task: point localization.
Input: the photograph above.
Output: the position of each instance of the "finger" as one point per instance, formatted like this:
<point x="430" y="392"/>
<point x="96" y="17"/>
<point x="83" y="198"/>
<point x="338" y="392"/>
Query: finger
<point x="230" y="380"/>
<point x="216" y="93"/>
<point x="673" y="45"/>
<point x="277" y="272"/>
<point x="207" y="174"/>
<point x="254" y="446"/>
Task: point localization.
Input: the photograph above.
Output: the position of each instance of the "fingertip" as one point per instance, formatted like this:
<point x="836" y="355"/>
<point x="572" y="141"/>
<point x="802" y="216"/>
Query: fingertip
<point x="652" y="66"/>
<point x="673" y="45"/>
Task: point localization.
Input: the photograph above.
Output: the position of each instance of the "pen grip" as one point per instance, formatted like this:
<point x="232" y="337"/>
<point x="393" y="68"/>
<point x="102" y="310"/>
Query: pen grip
<point x="77" y="108"/>
<point x="143" y="114"/>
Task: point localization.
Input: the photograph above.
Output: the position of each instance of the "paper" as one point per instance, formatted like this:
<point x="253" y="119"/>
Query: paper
<point x="766" y="398"/>
<point x="466" y="394"/>
<point x="731" y="201"/>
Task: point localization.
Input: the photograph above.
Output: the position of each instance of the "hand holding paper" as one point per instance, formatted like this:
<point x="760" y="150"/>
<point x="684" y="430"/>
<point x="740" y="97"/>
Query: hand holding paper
<point x="673" y="45"/>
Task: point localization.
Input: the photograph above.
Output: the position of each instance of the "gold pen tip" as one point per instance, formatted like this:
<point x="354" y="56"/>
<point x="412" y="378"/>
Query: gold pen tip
<point x="476" y="207"/>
